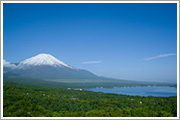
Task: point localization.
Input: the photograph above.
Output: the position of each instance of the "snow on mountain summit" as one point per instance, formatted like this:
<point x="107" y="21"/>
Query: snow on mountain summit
<point x="42" y="59"/>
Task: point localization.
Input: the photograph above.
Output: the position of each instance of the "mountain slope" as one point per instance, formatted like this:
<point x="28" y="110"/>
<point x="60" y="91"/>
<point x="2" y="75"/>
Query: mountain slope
<point x="45" y="66"/>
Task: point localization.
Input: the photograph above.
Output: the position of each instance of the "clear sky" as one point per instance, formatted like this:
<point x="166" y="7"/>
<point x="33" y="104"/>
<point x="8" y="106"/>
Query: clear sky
<point x="126" y="41"/>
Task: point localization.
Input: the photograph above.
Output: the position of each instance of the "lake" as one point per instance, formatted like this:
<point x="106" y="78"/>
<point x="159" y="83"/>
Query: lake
<point x="156" y="91"/>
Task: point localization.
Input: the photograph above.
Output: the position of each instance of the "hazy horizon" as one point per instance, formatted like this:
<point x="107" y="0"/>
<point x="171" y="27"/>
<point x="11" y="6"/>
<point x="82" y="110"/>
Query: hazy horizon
<point x="123" y="41"/>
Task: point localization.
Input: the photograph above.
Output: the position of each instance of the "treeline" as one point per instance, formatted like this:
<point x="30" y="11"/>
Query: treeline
<point x="29" y="101"/>
<point x="53" y="84"/>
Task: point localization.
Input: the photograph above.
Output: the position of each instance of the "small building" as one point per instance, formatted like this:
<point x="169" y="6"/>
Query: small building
<point x="78" y="89"/>
<point x="74" y="98"/>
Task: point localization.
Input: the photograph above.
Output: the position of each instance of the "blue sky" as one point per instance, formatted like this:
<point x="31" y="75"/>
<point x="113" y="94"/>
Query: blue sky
<point x="126" y="41"/>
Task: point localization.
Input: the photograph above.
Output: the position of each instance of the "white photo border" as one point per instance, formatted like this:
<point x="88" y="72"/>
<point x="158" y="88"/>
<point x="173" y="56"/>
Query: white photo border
<point x="2" y="2"/>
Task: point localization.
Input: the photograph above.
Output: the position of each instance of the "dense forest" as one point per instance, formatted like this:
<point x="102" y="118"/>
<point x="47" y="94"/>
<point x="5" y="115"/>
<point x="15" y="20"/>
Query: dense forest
<point x="20" y="100"/>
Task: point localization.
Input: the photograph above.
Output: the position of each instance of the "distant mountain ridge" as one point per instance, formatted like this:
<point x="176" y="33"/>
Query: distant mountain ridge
<point x="45" y="66"/>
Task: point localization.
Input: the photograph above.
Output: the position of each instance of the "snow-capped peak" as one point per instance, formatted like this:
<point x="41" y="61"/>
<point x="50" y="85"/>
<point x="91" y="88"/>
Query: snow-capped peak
<point x="42" y="59"/>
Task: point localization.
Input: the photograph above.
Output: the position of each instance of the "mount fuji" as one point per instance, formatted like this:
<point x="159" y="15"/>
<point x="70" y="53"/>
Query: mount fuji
<point x="44" y="69"/>
<point x="45" y="66"/>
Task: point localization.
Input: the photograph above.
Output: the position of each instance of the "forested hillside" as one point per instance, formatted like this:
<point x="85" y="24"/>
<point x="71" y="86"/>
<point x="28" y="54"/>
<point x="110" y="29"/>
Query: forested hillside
<point x="33" y="101"/>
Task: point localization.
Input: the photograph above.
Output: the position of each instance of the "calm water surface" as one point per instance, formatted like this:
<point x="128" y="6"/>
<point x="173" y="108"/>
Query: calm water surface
<point x="140" y="91"/>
